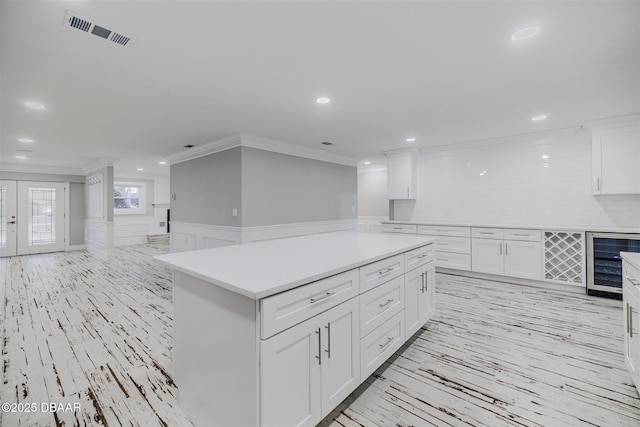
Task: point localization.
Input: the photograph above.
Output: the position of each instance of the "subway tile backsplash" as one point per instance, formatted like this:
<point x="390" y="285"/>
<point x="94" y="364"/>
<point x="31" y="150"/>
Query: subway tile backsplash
<point x="539" y="182"/>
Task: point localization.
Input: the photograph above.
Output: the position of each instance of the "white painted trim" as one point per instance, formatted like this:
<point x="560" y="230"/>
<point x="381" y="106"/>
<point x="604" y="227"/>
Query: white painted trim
<point x="619" y="121"/>
<point x="77" y="248"/>
<point x="98" y="237"/>
<point x="67" y="214"/>
<point x="515" y="280"/>
<point x="187" y="236"/>
<point x="97" y="165"/>
<point x="261" y="143"/>
<point x="42" y="169"/>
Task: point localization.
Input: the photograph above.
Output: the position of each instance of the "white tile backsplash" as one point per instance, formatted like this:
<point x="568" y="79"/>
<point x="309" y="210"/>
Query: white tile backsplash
<point x="510" y="183"/>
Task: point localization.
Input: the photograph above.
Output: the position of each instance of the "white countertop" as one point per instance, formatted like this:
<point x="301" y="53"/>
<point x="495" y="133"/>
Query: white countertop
<point x="521" y="226"/>
<point x="632" y="258"/>
<point x="258" y="270"/>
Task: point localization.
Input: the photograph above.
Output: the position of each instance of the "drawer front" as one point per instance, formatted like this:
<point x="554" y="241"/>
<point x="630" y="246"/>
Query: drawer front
<point x="418" y="257"/>
<point x="452" y="260"/>
<point x="289" y="308"/>
<point x="380" y="304"/>
<point x="380" y="344"/>
<point x="520" y="234"/>
<point x="453" y="244"/>
<point x="377" y="273"/>
<point x="399" y="228"/>
<point x="487" y="233"/>
<point x="444" y="230"/>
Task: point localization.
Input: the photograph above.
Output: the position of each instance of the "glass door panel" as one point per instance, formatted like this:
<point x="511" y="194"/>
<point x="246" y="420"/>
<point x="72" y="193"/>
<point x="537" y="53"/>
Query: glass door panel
<point x="41" y="222"/>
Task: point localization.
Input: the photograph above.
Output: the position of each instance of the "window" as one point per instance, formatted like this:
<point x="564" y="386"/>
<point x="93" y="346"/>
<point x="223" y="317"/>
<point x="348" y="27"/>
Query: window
<point x="129" y="198"/>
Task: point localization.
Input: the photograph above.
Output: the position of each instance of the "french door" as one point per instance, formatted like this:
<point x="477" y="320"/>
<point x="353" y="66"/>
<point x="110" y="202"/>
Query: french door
<point x="32" y="217"/>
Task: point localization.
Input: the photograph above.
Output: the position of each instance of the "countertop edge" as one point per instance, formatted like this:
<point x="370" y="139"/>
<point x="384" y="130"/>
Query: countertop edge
<point x="520" y="226"/>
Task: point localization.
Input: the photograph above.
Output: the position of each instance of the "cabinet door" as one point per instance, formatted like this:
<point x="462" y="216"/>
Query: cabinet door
<point x="615" y="154"/>
<point x="631" y="314"/>
<point x="401" y="177"/>
<point x="522" y="259"/>
<point x="413" y="282"/>
<point x="428" y="294"/>
<point x="340" y="367"/>
<point x="290" y="376"/>
<point x="486" y="256"/>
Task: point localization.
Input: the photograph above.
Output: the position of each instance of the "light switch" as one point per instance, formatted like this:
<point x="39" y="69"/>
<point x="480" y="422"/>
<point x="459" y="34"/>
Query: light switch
<point x="234" y="212"/>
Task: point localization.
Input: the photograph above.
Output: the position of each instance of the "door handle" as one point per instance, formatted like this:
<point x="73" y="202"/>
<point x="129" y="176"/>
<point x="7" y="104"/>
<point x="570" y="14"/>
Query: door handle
<point x="328" y="350"/>
<point x="11" y="222"/>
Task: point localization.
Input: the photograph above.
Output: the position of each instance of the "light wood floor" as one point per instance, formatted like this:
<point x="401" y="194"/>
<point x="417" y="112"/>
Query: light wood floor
<point x="76" y="329"/>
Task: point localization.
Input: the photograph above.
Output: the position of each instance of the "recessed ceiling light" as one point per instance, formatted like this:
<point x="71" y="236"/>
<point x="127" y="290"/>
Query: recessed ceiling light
<point x="538" y="117"/>
<point x="162" y="162"/>
<point x="525" y="33"/>
<point x="25" y="140"/>
<point x="411" y="139"/>
<point x="35" y="105"/>
<point x="140" y="169"/>
<point x="323" y="100"/>
<point x="21" y="157"/>
<point x="545" y="156"/>
<point x="367" y="163"/>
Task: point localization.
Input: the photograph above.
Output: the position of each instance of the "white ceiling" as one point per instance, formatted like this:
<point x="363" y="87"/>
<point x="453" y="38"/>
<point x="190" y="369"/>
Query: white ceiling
<point x="197" y="71"/>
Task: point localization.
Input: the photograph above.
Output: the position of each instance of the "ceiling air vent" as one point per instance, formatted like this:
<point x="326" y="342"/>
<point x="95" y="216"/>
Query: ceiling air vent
<point x="72" y="20"/>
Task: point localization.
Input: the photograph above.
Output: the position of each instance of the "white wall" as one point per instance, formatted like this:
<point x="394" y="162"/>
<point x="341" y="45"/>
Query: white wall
<point x="517" y="188"/>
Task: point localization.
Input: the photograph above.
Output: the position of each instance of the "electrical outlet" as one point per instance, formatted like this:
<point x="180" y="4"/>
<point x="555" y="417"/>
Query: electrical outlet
<point x="234" y="212"/>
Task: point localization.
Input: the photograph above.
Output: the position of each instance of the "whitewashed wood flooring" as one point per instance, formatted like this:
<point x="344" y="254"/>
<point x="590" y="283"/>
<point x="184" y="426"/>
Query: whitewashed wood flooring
<point x="76" y="329"/>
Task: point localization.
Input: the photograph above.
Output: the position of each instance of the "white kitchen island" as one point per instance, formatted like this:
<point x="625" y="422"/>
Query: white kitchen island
<point x="278" y="333"/>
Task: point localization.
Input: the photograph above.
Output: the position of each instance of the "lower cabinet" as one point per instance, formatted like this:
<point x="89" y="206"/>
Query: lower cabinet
<point x="631" y="322"/>
<point x="509" y="252"/>
<point x="419" y="290"/>
<point x="310" y="368"/>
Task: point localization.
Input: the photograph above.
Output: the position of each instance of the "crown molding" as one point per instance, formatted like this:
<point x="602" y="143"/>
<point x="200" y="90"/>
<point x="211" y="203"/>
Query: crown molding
<point x="31" y="168"/>
<point x="618" y="121"/>
<point x="400" y="152"/>
<point x="261" y="143"/>
<point x="99" y="164"/>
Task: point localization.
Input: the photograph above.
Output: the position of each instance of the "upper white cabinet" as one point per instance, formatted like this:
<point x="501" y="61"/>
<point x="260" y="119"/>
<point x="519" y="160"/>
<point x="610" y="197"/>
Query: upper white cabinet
<point x="615" y="158"/>
<point x="402" y="176"/>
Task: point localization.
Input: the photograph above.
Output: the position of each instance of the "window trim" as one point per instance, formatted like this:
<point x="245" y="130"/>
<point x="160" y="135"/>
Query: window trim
<point x="142" y="198"/>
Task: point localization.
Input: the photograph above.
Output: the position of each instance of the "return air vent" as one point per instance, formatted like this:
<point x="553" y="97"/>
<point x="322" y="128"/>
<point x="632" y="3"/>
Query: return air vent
<point x="72" y="20"/>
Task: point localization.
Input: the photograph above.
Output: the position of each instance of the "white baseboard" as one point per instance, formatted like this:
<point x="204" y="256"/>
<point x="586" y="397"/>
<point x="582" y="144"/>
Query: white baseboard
<point x="186" y="236"/>
<point x="98" y="237"/>
<point x="76" y="248"/>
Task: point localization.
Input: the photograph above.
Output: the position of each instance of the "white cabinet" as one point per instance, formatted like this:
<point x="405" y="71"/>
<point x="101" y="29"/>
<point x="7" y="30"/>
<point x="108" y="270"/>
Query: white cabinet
<point x="453" y="245"/>
<point x="309" y="369"/>
<point x="615" y="157"/>
<point x="402" y="177"/>
<point x="419" y="288"/>
<point x="509" y="252"/>
<point x="631" y="323"/>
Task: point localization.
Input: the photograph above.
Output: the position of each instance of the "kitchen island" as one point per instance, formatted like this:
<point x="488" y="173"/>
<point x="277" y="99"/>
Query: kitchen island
<point x="279" y="332"/>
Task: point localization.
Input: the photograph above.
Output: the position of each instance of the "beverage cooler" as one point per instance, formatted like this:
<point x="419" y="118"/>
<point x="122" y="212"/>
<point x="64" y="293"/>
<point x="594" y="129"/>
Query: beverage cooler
<point x="604" y="263"/>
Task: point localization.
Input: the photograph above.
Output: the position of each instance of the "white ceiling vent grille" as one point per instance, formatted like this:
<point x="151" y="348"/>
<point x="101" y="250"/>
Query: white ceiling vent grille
<point x="72" y="20"/>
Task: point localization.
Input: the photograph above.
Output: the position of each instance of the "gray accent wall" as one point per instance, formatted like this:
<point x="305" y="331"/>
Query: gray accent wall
<point x="283" y="189"/>
<point x="76" y="214"/>
<point x="207" y="189"/>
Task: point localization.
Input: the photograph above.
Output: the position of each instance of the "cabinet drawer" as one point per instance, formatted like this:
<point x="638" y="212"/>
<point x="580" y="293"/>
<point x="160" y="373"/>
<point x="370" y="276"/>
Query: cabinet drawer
<point x="453" y="244"/>
<point x="418" y="257"/>
<point x="453" y="260"/>
<point x="520" y="234"/>
<point x="487" y="233"/>
<point x="399" y="228"/>
<point x="289" y="308"/>
<point x="444" y="230"/>
<point x="380" y="344"/>
<point x="377" y="273"/>
<point x="380" y="304"/>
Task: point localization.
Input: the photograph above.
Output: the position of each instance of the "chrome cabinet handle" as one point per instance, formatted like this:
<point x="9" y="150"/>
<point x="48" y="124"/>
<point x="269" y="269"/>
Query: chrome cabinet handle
<point x="598" y="180"/>
<point x="328" y="350"/>
<point x="386" y="343"/>
<point x="397" y="228"/>
<point x="407" y="191"/>
<point x="521" y="234"/>
<point x="325" y="296"/>
<point x="11" y="222"/>
<point x="628" y="318"/>
<point x="386" y="271"/>
<point x="389" y="301"/>
<point x="422" y="256"/>
<point x="486" y="232"/>
<point x="506" y="249"/>
<point x="443" y="260"/>
<point x="442" y="244"/>
<point x="630" y="321"/>
<point x="319" y="356"/>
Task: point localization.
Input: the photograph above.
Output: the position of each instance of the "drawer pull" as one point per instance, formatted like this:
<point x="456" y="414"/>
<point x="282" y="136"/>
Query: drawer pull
<point x="422" y="256"/>
<point x="628" y="318"/>
<point x="630" y="321"/>
<point x="325" y="296"/>
<point x="398" y="228"/>
<point x="389" y="301"/>
<point x="386" y="343"/>
<point x="386" y="271"/>
<point x="522" y="234"/>
<point x="442" y="244"/>
<point x="486" y="232"/>
<point x="443" y="260"/>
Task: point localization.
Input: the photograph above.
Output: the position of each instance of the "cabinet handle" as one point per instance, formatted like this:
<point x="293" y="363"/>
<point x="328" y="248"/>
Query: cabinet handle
<point x="521" y="234"/>
<point x="486" y="232"/>
<point x="397" y="228"/>
<point x="598" y="180"/>
<point x="443" y="260"/>
<point x="389" y="301"/>
<point x="442" y="244"/>
<point x="506" y="249"/>
<point x="632" y="280"/>
<point x="328" y="350"/>
<point x="386" y="343"/>
<point x="422" y="256"/>
<point x="325" y="296"/>
<point x="319" y="356"/>
<point x="386" y="271"/>
<point x="630" y="321"/>
<point x="407" y="191"/>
